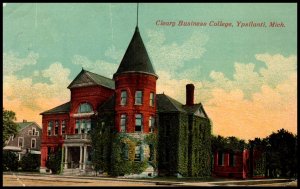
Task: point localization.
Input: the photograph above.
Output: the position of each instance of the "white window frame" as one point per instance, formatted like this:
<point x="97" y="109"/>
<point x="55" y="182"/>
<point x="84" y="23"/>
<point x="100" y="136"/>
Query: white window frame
<point x="151" y="124"/>
<point x="34" y="143"/>
<point x="33" y="129"/>
<point x="141" y="118"/>
<point x="63" y="123"/>
<point x="37" y="133"/>
<point x="30" y="132"/>
<point x="138" y="97"/>
<point x="123" y="127"/>
<point x="123" y="100"/>
<point x="22" y="142"/>
<point x="51" y="130"/>
<point x="151" y="100"/>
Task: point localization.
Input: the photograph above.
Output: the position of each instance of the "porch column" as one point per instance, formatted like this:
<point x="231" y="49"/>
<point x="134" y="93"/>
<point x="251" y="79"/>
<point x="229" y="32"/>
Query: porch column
<point x="80" y="159"/>
<point x="66" y="157"/>
<point x="84" y="157"/>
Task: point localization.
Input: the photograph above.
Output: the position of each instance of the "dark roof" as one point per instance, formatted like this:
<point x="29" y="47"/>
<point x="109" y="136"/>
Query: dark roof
<point x="86" y="78"/>
<point x="108" y="105"/>
<point x="168" y="104"/>
<point x="22" y="125"/>
<point x="196" y="109"/>
<point x="136" y="58"/>
<point x="64" y="108"/>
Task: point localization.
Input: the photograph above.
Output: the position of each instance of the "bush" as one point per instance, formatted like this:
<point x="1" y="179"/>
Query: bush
<point x="54" y="161"/>
<point x="9" y="161"/>
<point x="30" y="162"/>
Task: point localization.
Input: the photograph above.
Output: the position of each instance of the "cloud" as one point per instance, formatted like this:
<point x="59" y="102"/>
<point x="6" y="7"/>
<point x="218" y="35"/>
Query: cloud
<point x="12" y="63"/>
<point x="251" y="104"/>
<point x="28" y="99"/>
<point x="99" y="66"/>
<point x="172" y="57"/>
<point x="254" y="104"/>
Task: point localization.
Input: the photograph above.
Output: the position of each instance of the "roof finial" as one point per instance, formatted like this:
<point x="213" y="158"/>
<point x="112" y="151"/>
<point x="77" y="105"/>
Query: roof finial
<point x="137" y="15"/>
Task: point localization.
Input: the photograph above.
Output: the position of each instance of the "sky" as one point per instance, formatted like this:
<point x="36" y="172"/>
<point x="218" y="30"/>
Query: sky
<point x="245" y="77"/>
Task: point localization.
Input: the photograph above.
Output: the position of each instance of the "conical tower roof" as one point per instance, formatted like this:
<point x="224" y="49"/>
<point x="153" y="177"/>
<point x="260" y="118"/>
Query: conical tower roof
<point x="136" y="58"/>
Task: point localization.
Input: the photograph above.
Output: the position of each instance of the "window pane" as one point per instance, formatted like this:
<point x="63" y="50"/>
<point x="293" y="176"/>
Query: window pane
<point x="85" y="108"/>
<point x="137" y="156"/>
<point x="138" y="97"/>
<point x="151" y="124"/>
<point x="50" y="127"/>
<point x="123" y="98"/>
<point x="138" y="122"/>
<point x="77" y="127"/>
<point x="63" y="127"/>
<point x="151" y="99"/>
<point x="56" y="127"/>
<point x="123" y="123"/>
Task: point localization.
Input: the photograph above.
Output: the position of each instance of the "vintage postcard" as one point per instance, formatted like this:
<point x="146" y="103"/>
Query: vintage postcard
<point x="165" y="79"/>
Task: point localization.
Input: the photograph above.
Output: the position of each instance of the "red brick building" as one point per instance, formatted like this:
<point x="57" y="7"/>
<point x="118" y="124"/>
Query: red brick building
<point x="130" y="96"/>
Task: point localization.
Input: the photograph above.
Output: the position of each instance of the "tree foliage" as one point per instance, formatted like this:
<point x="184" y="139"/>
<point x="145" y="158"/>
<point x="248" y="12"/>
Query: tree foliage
<point x="9" y="161"/>
<point x="30" y="162"/>
<point x="9" y="126"/>
<point x="54" y="161"/>
<point x="220" y="143"/>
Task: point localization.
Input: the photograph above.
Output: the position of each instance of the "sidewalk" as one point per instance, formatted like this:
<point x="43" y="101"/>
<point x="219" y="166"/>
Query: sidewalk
<point x="217" y="182"/>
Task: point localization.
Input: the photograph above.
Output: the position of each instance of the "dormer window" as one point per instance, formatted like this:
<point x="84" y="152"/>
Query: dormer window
<point x="138" y="97"/>
<point x="123" y="98"/>
<point x="85" y="108"/>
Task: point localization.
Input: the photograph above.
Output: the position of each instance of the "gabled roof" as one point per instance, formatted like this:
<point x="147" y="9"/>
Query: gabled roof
<point x="136" y="58"/>
<point x="196" y="109"/>
<point x="22" y="125"/>
<point x="168" y="104"/>
<point x="64" y="108"/>
<point x="86" y="78"/>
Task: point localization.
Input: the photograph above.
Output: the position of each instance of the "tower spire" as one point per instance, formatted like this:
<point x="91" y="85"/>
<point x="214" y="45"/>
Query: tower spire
<point x="137" y="15"/>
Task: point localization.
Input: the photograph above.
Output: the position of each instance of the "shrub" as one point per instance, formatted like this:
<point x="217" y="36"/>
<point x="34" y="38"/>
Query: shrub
<point x="9" y="161"/>
<point x="30" y="162"/>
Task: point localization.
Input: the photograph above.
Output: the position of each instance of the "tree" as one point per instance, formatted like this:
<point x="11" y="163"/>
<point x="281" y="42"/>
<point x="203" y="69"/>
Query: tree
<point x="9" y="161"/>
<point x="282" y="153"/>
<point x="9" y="126"/>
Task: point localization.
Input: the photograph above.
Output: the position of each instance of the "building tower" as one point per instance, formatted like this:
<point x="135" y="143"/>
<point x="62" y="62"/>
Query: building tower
<point x="135" y="89"/>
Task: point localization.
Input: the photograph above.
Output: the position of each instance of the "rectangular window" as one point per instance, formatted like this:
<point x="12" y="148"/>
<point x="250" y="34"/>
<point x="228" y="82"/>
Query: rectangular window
<point x="20" y="142"/>
<point x="56" y="127"/>
<point x="151" y="124"/>
<point x="138" y="97"/>
<point x="77" y="127"/>
<point x="123" y="98"/>
<point x="123" y="123"/>
<point x="29" y="132"/>
<point x="220" y="158"/>
<point x="33" y="143"/>
<point x="88" y="126"/>
<point x="151" y="99"/>
<point x="36" y="133"/>
<point x="63" y="127"/>
<point x="83" y="126"/>
<point x="231" y="159"/>
<point x="138" y="123"/>
<point x="137" y="155"/>
<point x="33" y="131"/>
<point x="50" y="128"/>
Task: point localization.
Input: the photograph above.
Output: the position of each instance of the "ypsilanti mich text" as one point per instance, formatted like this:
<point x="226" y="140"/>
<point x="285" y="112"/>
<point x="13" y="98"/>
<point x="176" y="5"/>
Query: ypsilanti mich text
<point x="219" y="23"/>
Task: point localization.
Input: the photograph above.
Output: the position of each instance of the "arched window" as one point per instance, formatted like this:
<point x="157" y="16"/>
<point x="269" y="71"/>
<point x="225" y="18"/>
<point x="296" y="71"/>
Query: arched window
<point x="85" y="108"/>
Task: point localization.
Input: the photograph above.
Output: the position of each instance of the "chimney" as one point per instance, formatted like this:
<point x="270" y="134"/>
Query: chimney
<point x="190" y="94"/>
<point x="24" y="120"/>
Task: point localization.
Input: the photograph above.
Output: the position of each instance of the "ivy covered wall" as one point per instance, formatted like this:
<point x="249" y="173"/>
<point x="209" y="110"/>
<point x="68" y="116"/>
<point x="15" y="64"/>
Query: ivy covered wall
<point x="184" y="145"/>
